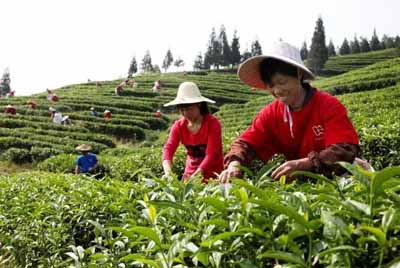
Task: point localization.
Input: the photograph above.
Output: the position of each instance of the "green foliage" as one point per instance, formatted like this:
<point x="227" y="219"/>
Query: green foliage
<point x="67" y="220"/>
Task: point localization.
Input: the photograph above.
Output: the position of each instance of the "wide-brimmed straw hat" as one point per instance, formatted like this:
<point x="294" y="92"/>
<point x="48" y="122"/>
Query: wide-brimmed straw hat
<point x="9" y="106"/>
<point x="188" y="93"/>
<point x="84" y="148"/>
<point x="249" y="70"/>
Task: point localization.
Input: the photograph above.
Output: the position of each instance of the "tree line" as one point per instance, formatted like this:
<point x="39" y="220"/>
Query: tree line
<point x="222" y="53"/>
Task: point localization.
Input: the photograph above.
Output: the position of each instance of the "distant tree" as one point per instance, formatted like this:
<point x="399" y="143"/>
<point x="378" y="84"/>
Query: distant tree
<point x="179" y="62"/>
<point x="375" y="44"/>
<point x="318" y="53"/>
<point x="331" y="49"/>
<point x="167" y="60"/>
<point x="304" y="51"/>
<point x="235" y="50"/>
<point x="364" y="45"/>
<point x="246" y="54"/>
<point x="147" y="66"/>
<point x="388" y="42"/>
<point x="213" y="53"/>
<point x="156" y="68"/>
<point x="397" y="41"/>
<point x="355" y="46"/>
<point x="132" y="67"/>
<point x="256" y="48"/>
<point x="225" y="48"/>
<point x="5" y="83"/>
<point x="198" y="62"/>
<point x="345" y="48"/>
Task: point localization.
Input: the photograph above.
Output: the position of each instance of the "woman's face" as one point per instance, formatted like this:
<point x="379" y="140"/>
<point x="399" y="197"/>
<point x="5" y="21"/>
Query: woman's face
<point x="190" y="111"/>
<point x="285" y="88"/>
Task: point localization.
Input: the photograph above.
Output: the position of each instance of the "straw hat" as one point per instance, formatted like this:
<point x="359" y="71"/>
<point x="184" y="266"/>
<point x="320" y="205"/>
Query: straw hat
<point x="9" y="106"/>
<point x="84" y="148"/>
<point x="249" y="70"/>
<point x="92" y="108"/>
<point x="107" y="111"/>
<point x="188" y="93"/>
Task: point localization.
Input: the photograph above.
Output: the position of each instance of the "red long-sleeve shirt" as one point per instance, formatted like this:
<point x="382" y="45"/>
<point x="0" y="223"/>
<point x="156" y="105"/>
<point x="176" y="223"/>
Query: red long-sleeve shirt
<point x="322" y="122"/>
<point x="203" y="149"/>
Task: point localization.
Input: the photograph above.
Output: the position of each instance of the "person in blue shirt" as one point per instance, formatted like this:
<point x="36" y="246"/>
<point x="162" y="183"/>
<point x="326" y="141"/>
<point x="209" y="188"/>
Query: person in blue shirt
<point x="87" y="161"/>
<point x="93" y="112"/>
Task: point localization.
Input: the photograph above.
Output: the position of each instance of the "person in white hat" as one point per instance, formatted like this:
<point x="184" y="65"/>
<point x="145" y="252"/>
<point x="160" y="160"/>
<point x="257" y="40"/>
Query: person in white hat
<point x="87" y="161"/>
<point x="198" y="131"/>
<point x="309" y="127"/>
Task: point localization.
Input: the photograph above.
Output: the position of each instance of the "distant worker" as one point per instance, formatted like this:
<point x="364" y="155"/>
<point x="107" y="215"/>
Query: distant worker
<point x="93" y="112"/>
<point x="87" y="161"/>
<point x="119" y="89"/>
<point x="10" y="94"/>
<point x="157" y="113"/>
<point x="51" y="96"/>
<point x="10" y="110"/>
<point x="157" y="86"/>
<point x="132" y="83"/>
<point x="98" y="84"/>
<point x="66" y="120"/>
<point x="55" y="116"/>
<point x="107" y="115"/>
<point x="31" y="104"/>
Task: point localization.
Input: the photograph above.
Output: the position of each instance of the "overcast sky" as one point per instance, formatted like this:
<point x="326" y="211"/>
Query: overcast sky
<point x="51" y="43"/>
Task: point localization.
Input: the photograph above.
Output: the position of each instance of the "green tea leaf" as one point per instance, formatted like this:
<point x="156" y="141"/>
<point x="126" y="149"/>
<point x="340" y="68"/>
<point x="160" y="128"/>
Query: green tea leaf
<point x="285" y="256"/>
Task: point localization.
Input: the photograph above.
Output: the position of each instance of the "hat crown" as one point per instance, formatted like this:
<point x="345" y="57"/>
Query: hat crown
<point x="188" y="90"/>
<point x="284" y="49"/>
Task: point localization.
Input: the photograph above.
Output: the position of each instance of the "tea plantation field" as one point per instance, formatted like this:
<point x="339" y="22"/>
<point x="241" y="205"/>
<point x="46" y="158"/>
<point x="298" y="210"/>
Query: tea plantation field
<point x="133" y="217"/>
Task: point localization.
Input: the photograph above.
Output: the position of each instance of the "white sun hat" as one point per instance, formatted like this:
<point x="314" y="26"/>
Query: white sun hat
<point x="249" y="70"/>
<point x="188" y="93"/>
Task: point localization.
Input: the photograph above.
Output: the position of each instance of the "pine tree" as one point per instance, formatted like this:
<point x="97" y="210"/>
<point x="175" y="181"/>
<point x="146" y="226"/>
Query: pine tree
<point x="167" y="60"/>
<point x="355" y="46"/>
<point x="375" y="44"/>
<point x="5" y="83"/>
<point x="364" y="45"/>
<point x="225" y="48"/>
<point x="132" y="67"/>
<point x="146" y="63"/>
<point x="397" y="41"/>
<point x="198" y="62"/>
<point x="235" y="50"/>
<point x="318" y="53"/>
<point x="331" y="49"/>
<point x="256" y="48"/>
<point x="213" y="53"/>
<point x="345" y="48"/>
<point x="388" y="42"/>
<point x="304" y="51"/>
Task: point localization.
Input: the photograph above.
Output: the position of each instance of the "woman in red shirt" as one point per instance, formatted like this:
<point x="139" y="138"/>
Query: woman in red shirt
<point x="309" y="127"/>
<point x="198" y="131"/>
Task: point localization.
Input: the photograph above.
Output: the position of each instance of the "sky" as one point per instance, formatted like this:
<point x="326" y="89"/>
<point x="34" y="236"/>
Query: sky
<point x="52" y="43"/>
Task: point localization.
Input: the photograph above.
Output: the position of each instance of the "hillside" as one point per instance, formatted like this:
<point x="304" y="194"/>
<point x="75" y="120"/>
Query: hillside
<point x="31" y="136"/>
<point x="342" y="64"/>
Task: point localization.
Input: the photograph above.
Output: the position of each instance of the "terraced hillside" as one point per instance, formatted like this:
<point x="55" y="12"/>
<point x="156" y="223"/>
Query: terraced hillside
<point x="31" y="136"/>
<point x="342" y="64"/>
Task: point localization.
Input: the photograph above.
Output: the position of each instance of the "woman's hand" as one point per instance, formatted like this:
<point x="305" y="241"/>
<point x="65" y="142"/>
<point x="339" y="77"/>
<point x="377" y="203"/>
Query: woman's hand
<point x="289" y="167"/>
<point x="167" y="167"/>
<point x="233" y="170"/>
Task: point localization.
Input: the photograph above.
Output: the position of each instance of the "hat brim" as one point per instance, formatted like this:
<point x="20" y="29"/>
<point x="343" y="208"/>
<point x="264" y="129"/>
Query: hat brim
<point x="188" y="101"/>
<point x="84" y="148"/>
<point x="249" y="70"/>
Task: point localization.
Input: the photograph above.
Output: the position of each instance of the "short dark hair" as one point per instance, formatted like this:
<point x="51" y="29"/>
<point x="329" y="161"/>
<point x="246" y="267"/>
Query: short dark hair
<point x="203" y="107"/>
<point x="271" y="66"/>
